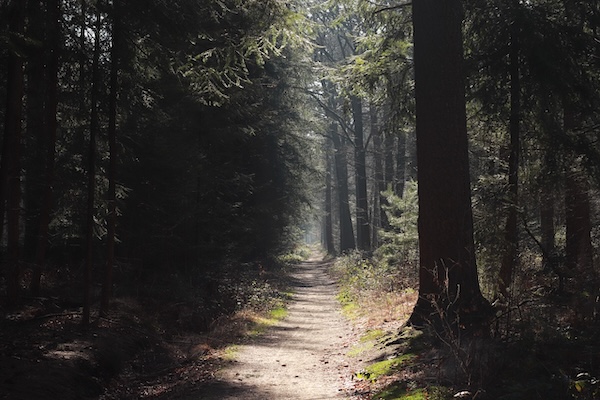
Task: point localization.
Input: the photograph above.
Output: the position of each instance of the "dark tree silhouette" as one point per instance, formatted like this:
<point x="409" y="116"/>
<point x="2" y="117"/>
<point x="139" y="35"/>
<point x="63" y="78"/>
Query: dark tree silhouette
<point x="448" y="271"/>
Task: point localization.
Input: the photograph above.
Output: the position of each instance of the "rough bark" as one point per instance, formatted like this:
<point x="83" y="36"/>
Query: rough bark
<point x="327" y="239"/>
<point x="112" y="167"/>
<point x="53" y="40"/>
<point x="448" y="283"/>
<point x="34" y="140"/>
<point x="91" y="175"/>
<point x="378" y="198"/>
<point x="579" y="250"/>
<point x="11" y="174"/>
<point x="547" y="228"/>
<point x="347" y="241"/>
<point x="400" y="176"/>
<point x="363" y="237"/>
<point x="511" y="233"/>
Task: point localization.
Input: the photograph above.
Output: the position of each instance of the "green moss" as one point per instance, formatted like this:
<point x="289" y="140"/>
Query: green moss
<point x="262" y="323"/>
<point x="278" y="313"/>
<point x="372" y="335"/>
<point x="385" y="367"/>
<point x="231" y="352"/>
<point x="359" y="349"/>
<point x="399" y="391"/>
<point x="366" y="342"/>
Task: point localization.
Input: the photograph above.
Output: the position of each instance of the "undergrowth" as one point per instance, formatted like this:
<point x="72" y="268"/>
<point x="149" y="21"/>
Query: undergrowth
<point x="540" y="345"/>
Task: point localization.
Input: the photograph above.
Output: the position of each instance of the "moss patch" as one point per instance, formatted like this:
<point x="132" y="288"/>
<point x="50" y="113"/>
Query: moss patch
<point x="366" y="342"/>
<point x="260" y="324"/>
<point x="399" y="391"/>
<point x="385" y="367"/>
<point x="359" y="349"/>
<point x="372" y="335"/>
<point x="278" y="313"/>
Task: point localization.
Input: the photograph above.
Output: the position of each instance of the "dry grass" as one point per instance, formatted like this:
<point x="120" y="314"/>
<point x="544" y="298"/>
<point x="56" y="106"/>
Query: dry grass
<point x="388" y="308"/>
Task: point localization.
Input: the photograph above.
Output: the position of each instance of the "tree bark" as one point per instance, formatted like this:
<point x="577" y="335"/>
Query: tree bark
<point x="347" y="241"/>
<point x="34" y="140"/>
<point x="53" y="40"/>
<point x="11" y="174"/>
<point x="363" y="237"/>
<point x="448" y="283"/>
<point x="91" y="173"/>
<point x="511" y="233"/>
<point x="112" y="167"/>
<point x="328" y="242"/>
<point x="579" y="250"/>
<point x="400" y="177"/>
<point x="379" y="184"/>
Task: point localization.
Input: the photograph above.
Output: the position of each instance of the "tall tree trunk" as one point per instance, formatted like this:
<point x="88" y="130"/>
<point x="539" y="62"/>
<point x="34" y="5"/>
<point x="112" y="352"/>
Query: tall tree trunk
<point x="11" y="174"/>
<point x="548" y="232"/>
<point x="53" y="39"/>
<point x="363" y="237"/>
<point x="379" y="184"/>
<point x="327" y="239"/>
<point x="448" y="283"/>
<point x="579" y="250"/>
<point x="347" y="241"/>
<point x="400" y="176"/>
<point x="34" y="141"/>
<point x="511" y="234"/>
<point x="389" y="161"/>
<point x="91" y="172"/>
<point x="112" y="167"/>
<point x="410" y="163"/>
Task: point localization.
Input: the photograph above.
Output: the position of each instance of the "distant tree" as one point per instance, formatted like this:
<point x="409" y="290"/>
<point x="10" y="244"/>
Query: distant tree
<point x="363" y="235"/>
<point x="112" y="156"/>
<point x="511" y="233"/>
<point x="448" y="272"/>
<point x="52" y="53"/>
<point x="91" y="170"/>
<point x="327" y="234"/>
<point x="347" y="241"/>
<point x="10" y="189"/>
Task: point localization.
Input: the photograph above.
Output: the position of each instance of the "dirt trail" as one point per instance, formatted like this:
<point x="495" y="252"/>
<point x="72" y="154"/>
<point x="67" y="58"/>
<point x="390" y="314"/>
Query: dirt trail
<point x="302" y="357"/>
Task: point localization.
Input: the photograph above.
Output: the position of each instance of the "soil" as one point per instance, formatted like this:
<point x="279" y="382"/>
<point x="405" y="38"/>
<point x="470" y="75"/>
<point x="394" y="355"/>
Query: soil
<point x="150" y="348"/>
<point x="302" y="357"/>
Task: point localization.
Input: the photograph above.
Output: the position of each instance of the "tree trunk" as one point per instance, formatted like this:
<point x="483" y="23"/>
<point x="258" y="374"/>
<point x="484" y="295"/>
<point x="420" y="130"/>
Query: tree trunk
<point x="400" y="177"/>
<point x="579" y="250"/>
<point x="388" y="170"/>
<point x="34" y="141"/>
<point x="379" y="184"/>
<point x="511" y="234"/>
<point x="53" y="40"/>
<point x="363" y="237"/>
<point x="548" y="232"/>
<point x="91" y="173"/>
<point x="11" y="192"/>
<point x="347" y="241"/>
<point x="112" y="167"/>
<point x="448" y="284"/>
<point x="327" y="239"/>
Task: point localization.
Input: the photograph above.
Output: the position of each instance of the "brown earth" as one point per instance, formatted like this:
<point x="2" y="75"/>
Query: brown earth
<point x="302" y="357"/>
<point x="152" y="349"/>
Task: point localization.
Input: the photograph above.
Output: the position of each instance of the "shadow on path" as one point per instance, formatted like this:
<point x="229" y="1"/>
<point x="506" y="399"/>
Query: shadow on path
<point x="302" y="357"/>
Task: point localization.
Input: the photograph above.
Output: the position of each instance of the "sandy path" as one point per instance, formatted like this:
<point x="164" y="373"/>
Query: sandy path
<point x="302" y="357"/>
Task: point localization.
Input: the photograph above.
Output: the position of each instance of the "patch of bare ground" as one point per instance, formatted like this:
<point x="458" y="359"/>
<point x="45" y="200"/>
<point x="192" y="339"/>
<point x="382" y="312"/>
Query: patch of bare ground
<point x="303" y="356"/>
<point x="146" y="347"/>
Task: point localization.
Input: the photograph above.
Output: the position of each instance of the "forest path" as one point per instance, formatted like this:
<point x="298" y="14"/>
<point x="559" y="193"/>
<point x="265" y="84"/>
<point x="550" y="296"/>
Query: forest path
<point x="302" y="357"/>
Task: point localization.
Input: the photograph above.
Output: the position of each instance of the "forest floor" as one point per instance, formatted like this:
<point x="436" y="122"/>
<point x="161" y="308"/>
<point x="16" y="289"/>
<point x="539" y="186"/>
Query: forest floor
<point x="293" y="340"/>
<point x="152" y="349"/>
<point x="303" y="356"/>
